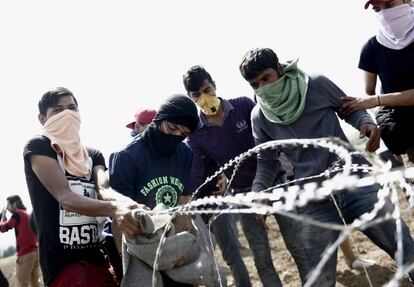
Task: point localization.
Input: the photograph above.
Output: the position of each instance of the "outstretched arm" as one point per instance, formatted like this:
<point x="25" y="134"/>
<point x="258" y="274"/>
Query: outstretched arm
<point x="3" y="214"/>
<point x="398" y="99"/>
<point x="52" y="177"/>
<point x="10" y="224"/>
<point x="351" y="104"/>
<point x="360" y="120"/>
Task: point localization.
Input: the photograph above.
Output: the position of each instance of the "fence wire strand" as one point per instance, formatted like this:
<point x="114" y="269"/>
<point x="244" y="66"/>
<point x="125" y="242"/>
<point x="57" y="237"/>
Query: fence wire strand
<point x="297" y="193"/>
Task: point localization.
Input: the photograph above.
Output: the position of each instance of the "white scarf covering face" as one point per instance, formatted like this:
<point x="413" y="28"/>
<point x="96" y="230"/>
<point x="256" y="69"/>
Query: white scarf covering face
<point x="396" y="26"/>
<point x="63" y="131"/>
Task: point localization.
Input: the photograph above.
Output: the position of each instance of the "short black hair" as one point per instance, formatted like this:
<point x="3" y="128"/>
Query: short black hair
<point x="52" y="97"/>
<point x="195" y="77"/>
<point x="256" y="61"/>
<point x="16" y="199"/>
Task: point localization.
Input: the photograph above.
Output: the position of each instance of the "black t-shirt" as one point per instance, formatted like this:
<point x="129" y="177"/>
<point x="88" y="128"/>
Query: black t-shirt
<point x="64" y="237"/>
<point x="139" y="173"/>
<point x="395" y="69"/>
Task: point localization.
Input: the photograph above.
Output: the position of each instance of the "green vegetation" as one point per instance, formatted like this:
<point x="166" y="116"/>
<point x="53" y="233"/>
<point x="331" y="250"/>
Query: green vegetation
<point x="9" y="251"/>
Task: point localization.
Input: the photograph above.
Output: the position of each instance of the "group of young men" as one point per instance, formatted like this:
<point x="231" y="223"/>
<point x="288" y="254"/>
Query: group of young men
<point x="69" y="188"/>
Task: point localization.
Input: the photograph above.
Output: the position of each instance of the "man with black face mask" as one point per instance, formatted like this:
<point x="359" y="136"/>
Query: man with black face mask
<point x="155" y="167"/>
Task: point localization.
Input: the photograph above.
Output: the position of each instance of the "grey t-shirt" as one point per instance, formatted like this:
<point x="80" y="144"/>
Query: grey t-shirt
<point x="318" y="119"/>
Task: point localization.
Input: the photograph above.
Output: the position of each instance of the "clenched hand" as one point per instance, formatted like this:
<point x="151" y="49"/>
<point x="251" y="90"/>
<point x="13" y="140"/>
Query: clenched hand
<point x="124" y="219"/>
<point x="373" y="133"/>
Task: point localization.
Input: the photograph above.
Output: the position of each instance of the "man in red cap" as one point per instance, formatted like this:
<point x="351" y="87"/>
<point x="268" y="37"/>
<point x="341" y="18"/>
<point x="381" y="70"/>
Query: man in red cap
<point x="376" y="2"/>
<point x="112" y="236"/>
<point x="143" y="117"/>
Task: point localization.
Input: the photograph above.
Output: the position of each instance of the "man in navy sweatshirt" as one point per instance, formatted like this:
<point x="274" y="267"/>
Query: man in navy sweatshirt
<point x="156" y="166"/>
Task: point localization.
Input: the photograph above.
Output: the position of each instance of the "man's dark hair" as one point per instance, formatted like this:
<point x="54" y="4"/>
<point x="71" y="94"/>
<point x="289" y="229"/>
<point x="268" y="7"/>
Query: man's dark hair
<point x="52" y="97"/>
<point x="16" y="199"/>
<point x="256" y="61"/>
<point x="194" y="78"/>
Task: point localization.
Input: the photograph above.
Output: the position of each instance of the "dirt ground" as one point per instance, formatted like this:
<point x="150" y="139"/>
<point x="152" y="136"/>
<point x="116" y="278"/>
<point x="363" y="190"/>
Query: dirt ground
<point x="7" y="266"/>
<point x="379" y="274"/>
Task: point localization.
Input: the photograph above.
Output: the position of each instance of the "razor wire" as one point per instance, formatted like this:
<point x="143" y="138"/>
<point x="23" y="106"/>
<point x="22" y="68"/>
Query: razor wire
<point x="297" y="193"/>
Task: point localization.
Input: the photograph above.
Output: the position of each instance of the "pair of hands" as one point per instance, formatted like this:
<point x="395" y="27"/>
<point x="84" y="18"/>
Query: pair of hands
<point x="124" y="218"/>
<point x="127" y="225"/>
<point x="221" y="185"/>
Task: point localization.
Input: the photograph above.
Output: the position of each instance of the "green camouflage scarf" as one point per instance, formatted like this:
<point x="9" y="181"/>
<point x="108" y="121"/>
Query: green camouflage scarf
<point x="283" y="101"/>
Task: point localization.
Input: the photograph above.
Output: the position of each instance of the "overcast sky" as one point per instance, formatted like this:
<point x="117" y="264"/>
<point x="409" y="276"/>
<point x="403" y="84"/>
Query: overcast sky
<point x="117" y="56"/>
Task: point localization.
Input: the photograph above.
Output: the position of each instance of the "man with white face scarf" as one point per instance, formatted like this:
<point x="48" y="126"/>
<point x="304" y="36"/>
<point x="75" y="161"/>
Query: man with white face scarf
<point x="389" y="56"/>
<point x="62" y="177"/>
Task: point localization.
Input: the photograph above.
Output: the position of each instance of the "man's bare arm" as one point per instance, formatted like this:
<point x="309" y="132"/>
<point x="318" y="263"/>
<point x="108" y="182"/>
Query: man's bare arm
<point x="52" y="177"/>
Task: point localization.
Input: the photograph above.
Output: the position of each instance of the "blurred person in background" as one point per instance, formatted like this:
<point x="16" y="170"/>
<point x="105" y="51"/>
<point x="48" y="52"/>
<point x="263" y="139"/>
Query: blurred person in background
<point x="27" y="262"/>
<point x="143" y="117"/>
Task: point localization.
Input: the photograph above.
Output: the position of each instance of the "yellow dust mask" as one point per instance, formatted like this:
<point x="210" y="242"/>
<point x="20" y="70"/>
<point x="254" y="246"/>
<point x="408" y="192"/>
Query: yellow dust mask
<point x="209" y="104"/>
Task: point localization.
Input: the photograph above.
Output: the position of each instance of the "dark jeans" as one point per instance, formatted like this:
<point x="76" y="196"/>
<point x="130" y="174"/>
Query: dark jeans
<point x="353" y="204"/>
<point x="229" y="245"/>
<point x="3" y="280"/>
<point x="256" y="235"/>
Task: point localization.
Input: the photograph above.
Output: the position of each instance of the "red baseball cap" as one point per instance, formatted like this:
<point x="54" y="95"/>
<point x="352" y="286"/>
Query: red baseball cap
<point x="143" y="117"/>
<point x="376" y="2"/>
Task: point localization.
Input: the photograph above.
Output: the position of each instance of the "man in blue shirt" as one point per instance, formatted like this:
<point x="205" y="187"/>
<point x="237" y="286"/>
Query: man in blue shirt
<point x="224" y="134"/>
<point x="155" y="167"/>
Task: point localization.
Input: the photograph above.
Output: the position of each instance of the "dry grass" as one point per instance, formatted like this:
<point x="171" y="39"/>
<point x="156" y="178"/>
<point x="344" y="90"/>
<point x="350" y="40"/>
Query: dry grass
<point x="7" y="266"/>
